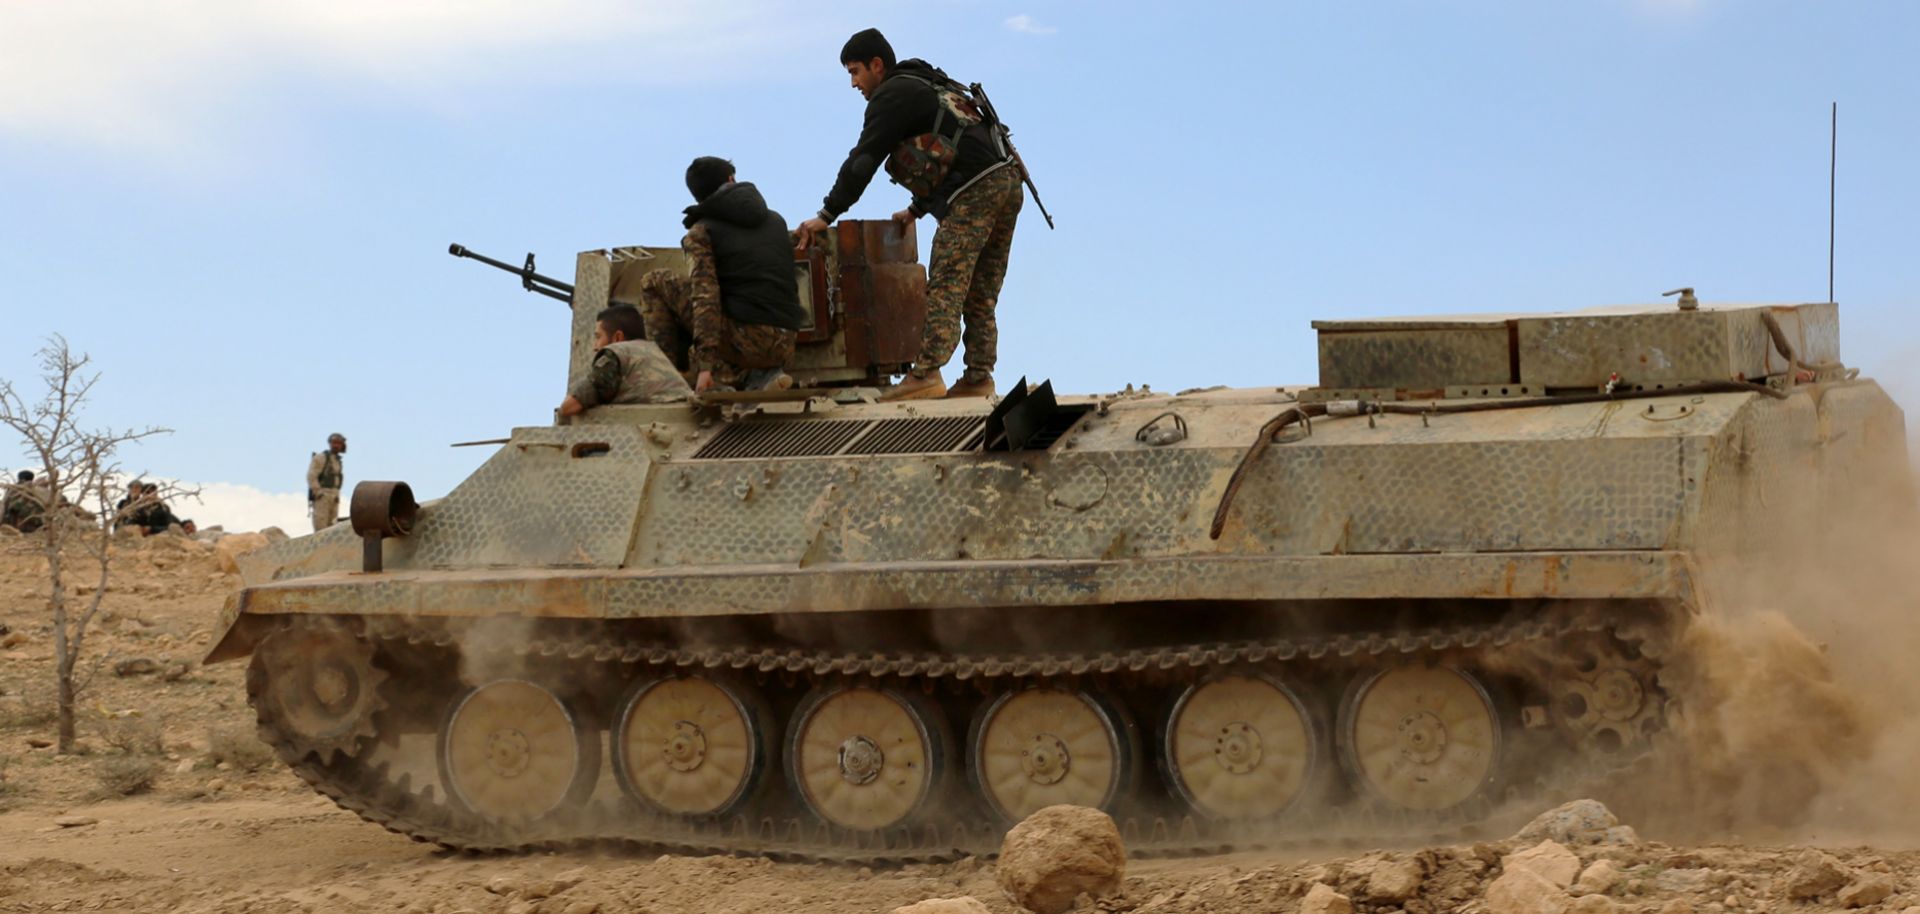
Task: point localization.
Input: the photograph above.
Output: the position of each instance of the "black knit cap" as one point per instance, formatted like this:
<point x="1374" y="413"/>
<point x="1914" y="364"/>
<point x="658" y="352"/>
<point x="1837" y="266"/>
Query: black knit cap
<point x="706" y="175"/>
<point x="865" y="45"/>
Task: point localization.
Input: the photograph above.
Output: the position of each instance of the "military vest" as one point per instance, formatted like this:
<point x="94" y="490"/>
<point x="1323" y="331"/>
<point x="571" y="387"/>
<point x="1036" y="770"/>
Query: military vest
<point x="331" y="476"/>
<point x="921" y="163"/>
<point x="754" y="266"/>
<point x="646" y="374"/>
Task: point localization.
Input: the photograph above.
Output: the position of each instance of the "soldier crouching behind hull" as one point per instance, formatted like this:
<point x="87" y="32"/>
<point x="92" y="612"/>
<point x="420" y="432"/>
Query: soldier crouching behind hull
<point x="626" y="368"/>
<point x="731" y="323"/>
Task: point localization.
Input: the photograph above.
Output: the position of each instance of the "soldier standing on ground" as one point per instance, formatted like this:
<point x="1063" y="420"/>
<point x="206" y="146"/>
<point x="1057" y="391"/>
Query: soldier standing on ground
<point x="733" y="321"/>
<point x="324" y="479"/>
<point x="958" y="171"/>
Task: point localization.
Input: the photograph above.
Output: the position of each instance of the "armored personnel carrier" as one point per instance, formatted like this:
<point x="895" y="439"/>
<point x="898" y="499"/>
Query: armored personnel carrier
<point x="826" y="627"/>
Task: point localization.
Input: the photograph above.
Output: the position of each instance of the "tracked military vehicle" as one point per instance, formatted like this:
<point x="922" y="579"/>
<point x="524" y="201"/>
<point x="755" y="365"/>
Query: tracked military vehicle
<point x="826" y="627"/>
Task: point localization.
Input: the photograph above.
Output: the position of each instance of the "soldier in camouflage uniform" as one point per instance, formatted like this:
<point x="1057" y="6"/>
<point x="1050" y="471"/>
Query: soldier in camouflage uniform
<point x="732" y="321"/>
<point x="325" y="476"/>
<point x="626" y="368"/>
<point x="25" y="505"/>
<point x="959" y="169"/>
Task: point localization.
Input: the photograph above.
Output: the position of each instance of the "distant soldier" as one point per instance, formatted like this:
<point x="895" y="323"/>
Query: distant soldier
<point x="958" y="168"/>
<point x="627" y="368"/>
<point x="25" y="507"/>
<point x="145" y="511"/>
<point x="125" y="508"/>
<point x="733" y="321"/>
<point x="325" y="476"/>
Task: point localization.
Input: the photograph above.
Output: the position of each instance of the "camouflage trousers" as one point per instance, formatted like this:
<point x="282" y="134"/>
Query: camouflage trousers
<point x="676" y="326"/>
<point x="963" y="280"/>
<point x="326" y="509"/>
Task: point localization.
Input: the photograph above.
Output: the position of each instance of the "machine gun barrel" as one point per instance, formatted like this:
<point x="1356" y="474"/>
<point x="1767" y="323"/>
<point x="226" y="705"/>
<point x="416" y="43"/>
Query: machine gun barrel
<point x="529" y="280"/>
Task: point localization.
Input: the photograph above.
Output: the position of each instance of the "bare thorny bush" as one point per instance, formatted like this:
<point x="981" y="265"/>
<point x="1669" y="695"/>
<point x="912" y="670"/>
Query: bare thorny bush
<point x="75" y="493"/>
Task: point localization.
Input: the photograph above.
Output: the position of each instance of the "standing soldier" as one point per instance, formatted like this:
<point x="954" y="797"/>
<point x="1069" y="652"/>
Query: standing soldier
<point x="324" y="478"/>
<point x="958" y="168"/>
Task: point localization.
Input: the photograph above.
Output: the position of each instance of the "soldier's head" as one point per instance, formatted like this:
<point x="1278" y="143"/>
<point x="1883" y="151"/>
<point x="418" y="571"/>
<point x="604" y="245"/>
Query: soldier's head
<point x="618" y="324"/>
<point x="135" y="487"/>
<point x="868" y="59"/>
<point x="707" y="175"/>
<point x="25" y="476"/>
<point x="337" y="443"/>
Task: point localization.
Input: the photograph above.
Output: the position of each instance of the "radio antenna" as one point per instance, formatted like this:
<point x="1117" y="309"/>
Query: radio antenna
<point x="1833" y="167"/>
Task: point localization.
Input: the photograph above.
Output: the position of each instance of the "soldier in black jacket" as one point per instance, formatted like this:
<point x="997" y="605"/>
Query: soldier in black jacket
<point x="732" y="322"/>
<point x="959" y="172"/>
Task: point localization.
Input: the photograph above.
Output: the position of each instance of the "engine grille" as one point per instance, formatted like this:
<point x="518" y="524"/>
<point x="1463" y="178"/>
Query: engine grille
<point x="828" y="437"/>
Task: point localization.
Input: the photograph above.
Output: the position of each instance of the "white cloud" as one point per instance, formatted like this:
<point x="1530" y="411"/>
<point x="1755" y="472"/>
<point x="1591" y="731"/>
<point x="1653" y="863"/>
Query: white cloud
<point x="159" y="75"/>
<point x="1027" y="25"/>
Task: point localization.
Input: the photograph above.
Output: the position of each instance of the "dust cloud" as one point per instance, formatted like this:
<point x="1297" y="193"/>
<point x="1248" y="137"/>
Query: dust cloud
<point x="1797" y="694"/>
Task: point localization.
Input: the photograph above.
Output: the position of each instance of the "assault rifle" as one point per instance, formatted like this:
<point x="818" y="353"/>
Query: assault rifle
<point x="529" y="280"/>
<point x="993" y="117"/>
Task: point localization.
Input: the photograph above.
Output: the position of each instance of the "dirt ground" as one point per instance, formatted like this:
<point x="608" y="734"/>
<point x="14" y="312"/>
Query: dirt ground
<point x="171" y="805"/>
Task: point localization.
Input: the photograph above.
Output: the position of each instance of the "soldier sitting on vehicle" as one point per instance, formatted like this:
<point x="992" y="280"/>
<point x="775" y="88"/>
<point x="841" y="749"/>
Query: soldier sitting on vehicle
<point x="627" y="368"/>
<point x="733" y="322"/>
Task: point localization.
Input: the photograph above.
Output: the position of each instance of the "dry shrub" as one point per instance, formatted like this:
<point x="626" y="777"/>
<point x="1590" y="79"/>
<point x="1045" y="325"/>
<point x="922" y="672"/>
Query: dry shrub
<point x="125" y="775"/>
<point x="34" y="708"/>
<point x="239" y="747"/>
<point x="133" y="735"/>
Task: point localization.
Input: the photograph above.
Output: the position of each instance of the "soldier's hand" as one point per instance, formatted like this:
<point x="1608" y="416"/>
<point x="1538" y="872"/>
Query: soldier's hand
<point x="703" y="383"/>
<point x="805" y="234"/>
<point x="905" y="217"/>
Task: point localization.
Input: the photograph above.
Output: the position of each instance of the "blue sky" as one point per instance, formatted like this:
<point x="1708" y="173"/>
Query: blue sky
<point x="242" y="209"/>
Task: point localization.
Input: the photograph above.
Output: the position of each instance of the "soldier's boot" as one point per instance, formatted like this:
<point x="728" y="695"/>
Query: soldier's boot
<point x="914" y="387"/>
<point x="766" y="379"/>
<point x="968" y="387"/>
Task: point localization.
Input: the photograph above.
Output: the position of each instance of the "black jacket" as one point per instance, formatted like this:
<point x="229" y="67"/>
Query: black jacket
<point x="900" y="110"/>
<point x="753" y="256"/>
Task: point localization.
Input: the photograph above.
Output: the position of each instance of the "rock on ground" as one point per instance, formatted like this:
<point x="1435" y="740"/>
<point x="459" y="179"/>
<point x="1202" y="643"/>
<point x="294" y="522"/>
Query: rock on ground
<point x="965" y="904"/>
<point x="1870" y="889"/>
<point x="1579" y="822"/>
<point x="1591" y="904"/>
<point x="1598" y="879"/>
<point x="1391" y="880"/>
<point x="1321" y="899"/>
<point x="1523" y="891"/>
<point x="1548" y="860"/>
<point x="1058" y="853"/>
<point x="1814" y="874"/>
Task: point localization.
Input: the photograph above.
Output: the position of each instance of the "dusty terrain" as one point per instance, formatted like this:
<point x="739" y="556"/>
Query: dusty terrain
<point x="170" y="805"/>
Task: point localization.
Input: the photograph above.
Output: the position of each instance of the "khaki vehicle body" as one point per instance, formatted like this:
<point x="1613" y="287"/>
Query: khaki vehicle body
<point x="1462" y="553"/>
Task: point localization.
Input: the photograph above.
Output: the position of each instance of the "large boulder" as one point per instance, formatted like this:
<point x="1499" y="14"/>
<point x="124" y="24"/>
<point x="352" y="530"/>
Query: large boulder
<point x="1059" y="853"/>
<point x="228" y="549"/>
<point x="1579" y="822"/>
<point x="965" y="904"/>
<point x="1814" y="874"/>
